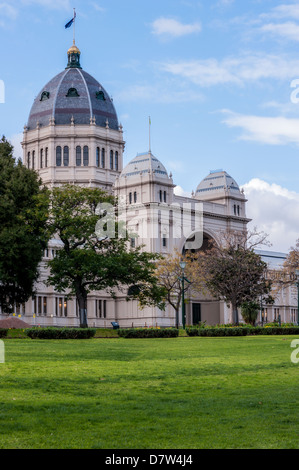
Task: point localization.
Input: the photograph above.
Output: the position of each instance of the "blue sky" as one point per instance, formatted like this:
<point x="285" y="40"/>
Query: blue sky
<point x="217" y="77"/>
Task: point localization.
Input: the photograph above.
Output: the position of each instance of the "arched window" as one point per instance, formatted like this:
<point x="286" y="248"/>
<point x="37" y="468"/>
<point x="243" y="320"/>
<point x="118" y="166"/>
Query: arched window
<point x="111" y="159"/>
<point x="33" y="159"/>
<point x="58" y="156"/>
<point x="238" y="208"/>
<point x="28" y="160"/>
<point x="46" y="158"/>
<point x="41" y="158"/>
<point x="130" y="198"/>
<point x="135" y="197"/>
<point x="66" y="156"/>
<point x="78" y="156"/>
<point x="235" y="212"/>
<point x="165" y="196"/>
<point x="85" y="156"/>
<point x="72" y="93"/>
<point x="103" y="158"/>
<point x="98" y="157"/>
<point x="116" y="161"/>
<point x="160" y="196"/>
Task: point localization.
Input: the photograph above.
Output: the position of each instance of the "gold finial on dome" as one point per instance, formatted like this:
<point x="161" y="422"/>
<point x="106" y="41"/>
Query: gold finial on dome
<point x="74" y="49"/>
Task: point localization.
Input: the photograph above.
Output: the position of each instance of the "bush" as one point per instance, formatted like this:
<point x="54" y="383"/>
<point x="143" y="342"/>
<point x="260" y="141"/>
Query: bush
<point x="3" y="332"/>
<point x="242" y="331"/>
<point x="148" y="332"/>
<point x="61" y="333"/>
<point x="232" y="331"/>
<point x="192" y="331"/>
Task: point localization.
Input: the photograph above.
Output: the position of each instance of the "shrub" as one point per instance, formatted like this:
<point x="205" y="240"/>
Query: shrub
<point x="3" y="332"/>
<point x="61" y="333"/>
<point x="231" y="331"/>
<point x="242" y="331"/>
<point x="148" y="332"/>
<point x="192" y="331"/>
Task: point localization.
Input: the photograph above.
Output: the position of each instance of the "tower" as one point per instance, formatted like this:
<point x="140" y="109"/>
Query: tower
<point x="73" y="133"/>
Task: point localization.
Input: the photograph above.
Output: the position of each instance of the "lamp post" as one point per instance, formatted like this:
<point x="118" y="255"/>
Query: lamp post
<point x="297" y="276"/>
<point x="183" y="265"/>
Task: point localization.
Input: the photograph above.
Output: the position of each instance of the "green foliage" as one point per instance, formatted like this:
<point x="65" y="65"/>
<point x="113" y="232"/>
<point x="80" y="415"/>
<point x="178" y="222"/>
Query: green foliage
<point x="148" y="332"/>
<point x="23" y="228"/>
<point x="250" y="311"/>
<point x="86" y="261"/>
<point x="3" y="332"/>
<point x="242" y="331"/>
<point x="61" y="333"/>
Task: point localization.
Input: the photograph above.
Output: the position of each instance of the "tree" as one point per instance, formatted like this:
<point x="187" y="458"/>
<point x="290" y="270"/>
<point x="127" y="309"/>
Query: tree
<point x="23" y="233"/>
<point x="233" y="271"/>
<point x="292" y="260"/>
<point x="169" y="274"/>
<point x="250" y="312"/>
<point x="89" y="261"/>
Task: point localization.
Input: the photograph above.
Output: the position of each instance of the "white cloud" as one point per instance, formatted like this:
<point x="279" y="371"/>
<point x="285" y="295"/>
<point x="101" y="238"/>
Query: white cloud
<point x="269" y="130"/>
<point x="98" y="7"/>
<point x="284" y="11"/>
<point x="51" y="4"/>
<point x="273" y="209"/>
<point x="287" y="30"/>
<point x="7" y="12"/>
<point x="179" y="191"/>
<point x="234" y="70"/>
<point x="173" y="28"/>
<point x="15" y="141"/>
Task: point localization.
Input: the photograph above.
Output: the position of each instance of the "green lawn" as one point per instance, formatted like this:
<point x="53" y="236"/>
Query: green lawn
<point x="182" y="393"/>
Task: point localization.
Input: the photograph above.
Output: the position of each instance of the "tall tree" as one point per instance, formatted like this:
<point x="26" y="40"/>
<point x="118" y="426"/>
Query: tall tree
<point x="23" y="228"/>
<point x="92" y="261"/>
<point x="234" y="272"/>
<point x="169" y="275"/>
<point x="292" y="261"/>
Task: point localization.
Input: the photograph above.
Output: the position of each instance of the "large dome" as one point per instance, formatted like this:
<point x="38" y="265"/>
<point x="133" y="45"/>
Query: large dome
<point x="73" y="95"/>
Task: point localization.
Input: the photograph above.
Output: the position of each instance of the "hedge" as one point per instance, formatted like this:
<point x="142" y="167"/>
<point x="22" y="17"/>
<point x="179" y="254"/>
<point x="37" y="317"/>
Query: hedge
<point x="148" y="332"/>
<point x="3" y="332"/>
<point x="61" y="333"/>
<point x="242" y="331"/>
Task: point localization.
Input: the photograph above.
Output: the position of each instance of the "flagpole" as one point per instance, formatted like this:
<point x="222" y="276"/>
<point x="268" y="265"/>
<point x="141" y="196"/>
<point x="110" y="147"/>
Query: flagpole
<point x="74" y="26"/>
<point x="149" y="125"/>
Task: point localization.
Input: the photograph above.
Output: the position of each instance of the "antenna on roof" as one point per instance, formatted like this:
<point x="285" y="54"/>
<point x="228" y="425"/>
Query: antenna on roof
<point x="149" y="125"/>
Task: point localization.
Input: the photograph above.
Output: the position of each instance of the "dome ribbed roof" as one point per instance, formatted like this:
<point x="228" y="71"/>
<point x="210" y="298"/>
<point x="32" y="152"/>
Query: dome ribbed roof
<point x="144" y="163"/>
<point x="216" y="184"/>
<point x="73" y="94"/>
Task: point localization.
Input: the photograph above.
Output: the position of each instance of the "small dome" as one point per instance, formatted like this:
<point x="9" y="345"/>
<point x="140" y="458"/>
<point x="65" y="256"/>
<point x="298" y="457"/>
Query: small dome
<point x="74" y="49"/>
<point x="144" y="163"/>
<point x="217" y="184"/>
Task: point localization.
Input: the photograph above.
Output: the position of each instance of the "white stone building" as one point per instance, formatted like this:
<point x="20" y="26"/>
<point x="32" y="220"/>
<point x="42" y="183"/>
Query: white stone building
<point x="73" y="136"/>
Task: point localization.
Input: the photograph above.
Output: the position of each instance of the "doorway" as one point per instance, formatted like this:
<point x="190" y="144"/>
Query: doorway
<point x="196" y="314"/>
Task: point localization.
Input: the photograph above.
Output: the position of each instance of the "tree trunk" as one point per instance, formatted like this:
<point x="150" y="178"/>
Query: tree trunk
<point x="177" y="318"/>
<point x="82" y="301"/>
<point x="235" y="315"/>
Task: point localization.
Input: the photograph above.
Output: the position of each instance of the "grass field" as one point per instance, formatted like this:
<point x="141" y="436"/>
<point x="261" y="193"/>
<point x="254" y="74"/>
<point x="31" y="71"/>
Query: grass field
<point x="182" y="393"/>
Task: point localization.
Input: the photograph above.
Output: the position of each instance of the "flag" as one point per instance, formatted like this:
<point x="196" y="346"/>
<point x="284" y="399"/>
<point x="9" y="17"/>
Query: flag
<point x="69" y="24"/>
